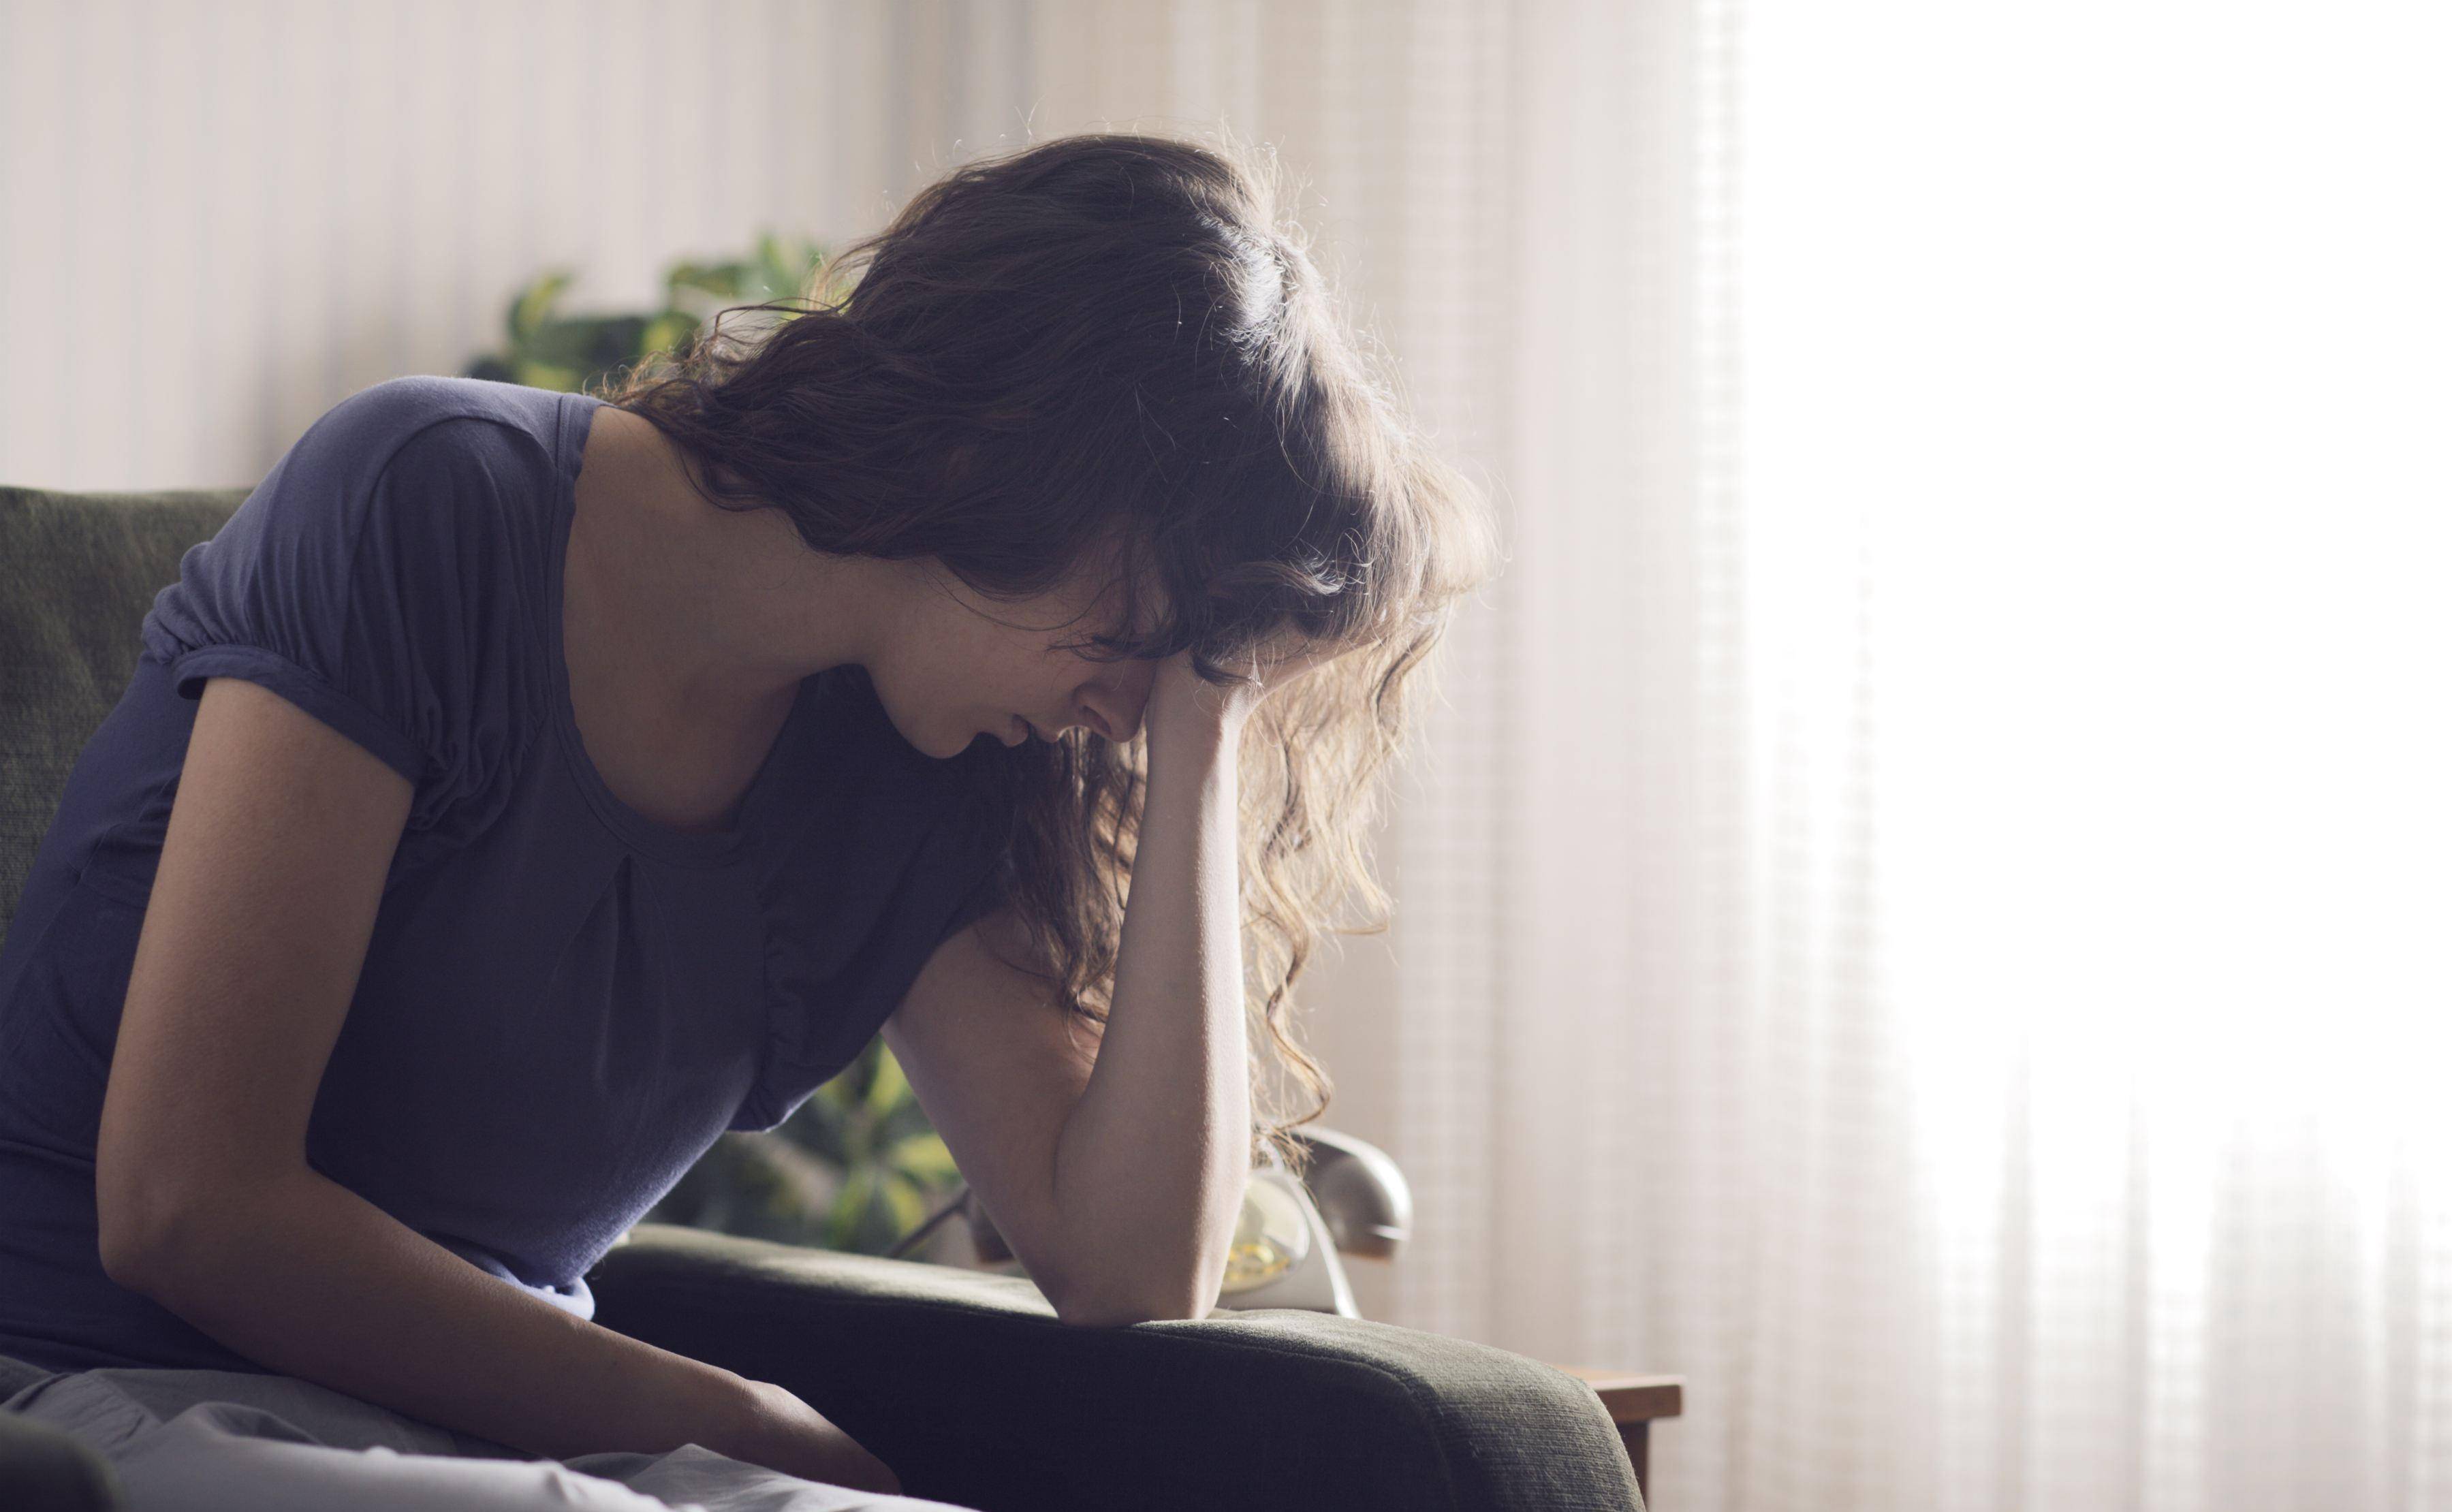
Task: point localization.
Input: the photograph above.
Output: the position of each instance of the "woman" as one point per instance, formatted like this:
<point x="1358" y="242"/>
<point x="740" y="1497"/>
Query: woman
<point x="525" y="788"/>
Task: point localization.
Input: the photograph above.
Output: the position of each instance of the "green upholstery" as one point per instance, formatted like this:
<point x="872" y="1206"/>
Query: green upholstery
<point x="77" y="574"/>
<point x="967" y="1384"/>
<point x="963" y="1381"/>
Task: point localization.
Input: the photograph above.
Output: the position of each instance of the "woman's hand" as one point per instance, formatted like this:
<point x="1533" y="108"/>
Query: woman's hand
<point x="774" y="1427"/>
<point x="1177" y="692"/>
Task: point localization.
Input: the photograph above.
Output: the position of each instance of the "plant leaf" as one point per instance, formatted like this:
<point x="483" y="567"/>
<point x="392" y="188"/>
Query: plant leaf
<point x="842" y="1224"/>
<point x="535" y="303"/>
<point x="889" y="1087"/>
<point x="924" y="1156"/>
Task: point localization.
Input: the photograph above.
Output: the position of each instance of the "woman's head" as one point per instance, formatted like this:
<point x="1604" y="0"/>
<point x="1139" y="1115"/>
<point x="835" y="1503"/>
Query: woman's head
<point x="965" y="665"/>
<point x="1096" y="389"/>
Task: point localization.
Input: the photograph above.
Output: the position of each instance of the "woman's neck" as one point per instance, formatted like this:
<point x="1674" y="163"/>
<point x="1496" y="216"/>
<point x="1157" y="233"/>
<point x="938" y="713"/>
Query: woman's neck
<point x="714" y="608"/>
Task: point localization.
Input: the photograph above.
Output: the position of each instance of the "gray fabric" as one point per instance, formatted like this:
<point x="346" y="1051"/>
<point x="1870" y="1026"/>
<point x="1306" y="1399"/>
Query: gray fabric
<point x="16" y="1375"/>
<point x="201" y="1441"/>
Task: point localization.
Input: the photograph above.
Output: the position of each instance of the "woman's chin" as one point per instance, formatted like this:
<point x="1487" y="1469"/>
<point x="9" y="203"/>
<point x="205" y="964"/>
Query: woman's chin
<point x="929" y="746"/>
<point x="978" y="737"/>
<point x="936" y="746"/>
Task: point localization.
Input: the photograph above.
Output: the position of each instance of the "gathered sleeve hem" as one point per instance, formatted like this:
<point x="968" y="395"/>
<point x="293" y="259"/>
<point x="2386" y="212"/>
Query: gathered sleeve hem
<point x="309" y="690"/>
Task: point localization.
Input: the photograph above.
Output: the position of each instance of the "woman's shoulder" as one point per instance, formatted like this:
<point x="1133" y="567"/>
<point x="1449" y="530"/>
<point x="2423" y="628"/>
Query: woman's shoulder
<point x="392" y="574"/>
<point x="382" y="416"/>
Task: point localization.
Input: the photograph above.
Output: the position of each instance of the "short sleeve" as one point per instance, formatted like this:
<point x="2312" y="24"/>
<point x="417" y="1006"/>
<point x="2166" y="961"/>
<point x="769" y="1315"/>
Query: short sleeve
<point x="839" y="969"/>
<point x="376" y="580"/>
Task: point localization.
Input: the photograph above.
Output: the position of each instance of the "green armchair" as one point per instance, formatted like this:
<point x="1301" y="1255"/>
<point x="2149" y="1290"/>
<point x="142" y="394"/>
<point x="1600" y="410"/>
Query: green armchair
<point x="963" y="1381"/>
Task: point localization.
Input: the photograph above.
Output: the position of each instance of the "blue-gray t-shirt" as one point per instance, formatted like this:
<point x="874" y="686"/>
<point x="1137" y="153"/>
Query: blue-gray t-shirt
<point x="564" y="1003"/>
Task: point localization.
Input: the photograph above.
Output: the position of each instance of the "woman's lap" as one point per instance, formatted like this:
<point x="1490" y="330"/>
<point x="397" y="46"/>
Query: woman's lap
<point x="199" y="1440"/>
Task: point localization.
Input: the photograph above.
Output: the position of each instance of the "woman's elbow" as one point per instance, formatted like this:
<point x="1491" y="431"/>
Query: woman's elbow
<point x="1123" y="1313"/>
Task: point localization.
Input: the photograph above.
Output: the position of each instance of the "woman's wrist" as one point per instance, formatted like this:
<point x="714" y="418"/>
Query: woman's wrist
<point x="762" y="1423"/>
<point x="719" y="1405"/>
<point x="1181" y="698"/>
<point x="1184" y="706"/>
<point x="1192" y="725"/>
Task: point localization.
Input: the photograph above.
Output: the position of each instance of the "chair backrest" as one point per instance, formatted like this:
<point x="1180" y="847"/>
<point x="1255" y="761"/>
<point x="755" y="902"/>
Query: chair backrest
<point x="77" y="574"/>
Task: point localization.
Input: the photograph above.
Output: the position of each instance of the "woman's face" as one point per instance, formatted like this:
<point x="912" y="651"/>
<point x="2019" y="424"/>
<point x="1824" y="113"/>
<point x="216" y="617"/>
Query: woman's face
<point x="965" y="667"/>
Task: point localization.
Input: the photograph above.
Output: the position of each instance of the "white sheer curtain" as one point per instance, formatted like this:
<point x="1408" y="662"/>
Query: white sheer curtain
<point x="1925" y="910"/>
<point x="2115" y="334"/>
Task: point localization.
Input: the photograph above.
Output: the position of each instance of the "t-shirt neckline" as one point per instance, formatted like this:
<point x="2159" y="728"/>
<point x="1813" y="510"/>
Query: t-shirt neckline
<point x="575" y="417"/>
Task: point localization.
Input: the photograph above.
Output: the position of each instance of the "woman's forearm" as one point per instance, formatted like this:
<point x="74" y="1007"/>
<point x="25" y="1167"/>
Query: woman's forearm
<point x="1153" y="1161"/>
<point x="308" y="1278"/>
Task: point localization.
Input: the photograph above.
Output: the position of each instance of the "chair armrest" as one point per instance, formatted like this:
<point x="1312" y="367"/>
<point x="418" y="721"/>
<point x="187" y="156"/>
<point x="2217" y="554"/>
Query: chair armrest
<point x="967" y="1384"/>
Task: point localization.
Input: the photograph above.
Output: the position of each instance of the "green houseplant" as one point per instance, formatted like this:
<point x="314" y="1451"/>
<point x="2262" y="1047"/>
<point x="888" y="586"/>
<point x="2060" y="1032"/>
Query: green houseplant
<point x="549" y="349"/>
<point x="854" y="1167"/>
<point x="857" y="1167"/>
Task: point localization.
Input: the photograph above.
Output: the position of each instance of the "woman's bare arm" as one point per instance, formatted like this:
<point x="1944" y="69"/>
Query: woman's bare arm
<point x="1154" y="1159"/>
<point x="1152" y="1163"/>
<point x="279" y="841"/>
<point x="298" y="1272"/>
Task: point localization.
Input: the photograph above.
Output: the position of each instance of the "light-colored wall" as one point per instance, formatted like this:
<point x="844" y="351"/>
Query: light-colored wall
<point x="222" y="218"/>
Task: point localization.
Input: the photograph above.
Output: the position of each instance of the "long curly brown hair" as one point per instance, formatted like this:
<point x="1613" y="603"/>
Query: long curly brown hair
<point x="1107" y="351"/>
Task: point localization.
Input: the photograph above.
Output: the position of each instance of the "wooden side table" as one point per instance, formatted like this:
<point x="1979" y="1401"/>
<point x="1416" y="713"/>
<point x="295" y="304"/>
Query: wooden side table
<point x="1635" y="1402"/>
